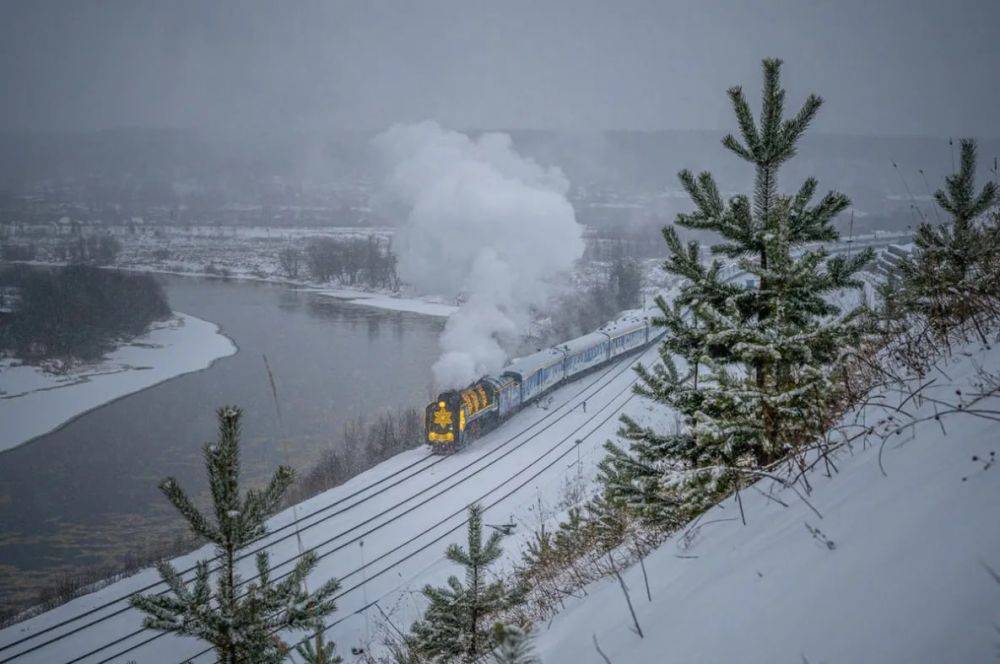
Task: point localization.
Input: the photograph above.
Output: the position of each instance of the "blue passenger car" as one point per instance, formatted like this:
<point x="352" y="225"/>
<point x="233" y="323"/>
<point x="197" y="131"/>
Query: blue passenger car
<point x="626" y="334"/>
<point x="585" y="352"/>
<point x="536" y="372"/>
<point x="508" y="391"/>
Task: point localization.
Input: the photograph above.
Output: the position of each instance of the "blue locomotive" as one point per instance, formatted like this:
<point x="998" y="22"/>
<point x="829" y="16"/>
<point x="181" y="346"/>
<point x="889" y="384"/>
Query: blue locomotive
<point x="458" y="416"/>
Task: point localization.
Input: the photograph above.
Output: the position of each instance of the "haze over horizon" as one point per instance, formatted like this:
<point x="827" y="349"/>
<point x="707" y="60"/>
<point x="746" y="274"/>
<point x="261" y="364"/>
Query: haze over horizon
<point x="887" y="68"/>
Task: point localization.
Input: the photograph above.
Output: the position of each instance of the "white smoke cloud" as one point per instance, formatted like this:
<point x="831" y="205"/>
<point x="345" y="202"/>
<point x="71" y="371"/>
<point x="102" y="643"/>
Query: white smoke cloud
<point x="480" y="220"/>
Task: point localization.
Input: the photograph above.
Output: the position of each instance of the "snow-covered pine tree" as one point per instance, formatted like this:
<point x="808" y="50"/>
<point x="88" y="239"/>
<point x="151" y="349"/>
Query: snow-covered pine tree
<point x="513" y="646"/>
<point x="606" y="524"/>
<point x="539" y="552"/>
<point x="758" y="352"/>
<point x="950" y="273"/>
<point x="242" y="625"/>
<point x="318" y="651"/>
<point x="456" y="623"/>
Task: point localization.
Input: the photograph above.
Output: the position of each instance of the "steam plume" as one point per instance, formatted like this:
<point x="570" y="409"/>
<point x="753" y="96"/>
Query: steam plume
<point x="480" y="220"/>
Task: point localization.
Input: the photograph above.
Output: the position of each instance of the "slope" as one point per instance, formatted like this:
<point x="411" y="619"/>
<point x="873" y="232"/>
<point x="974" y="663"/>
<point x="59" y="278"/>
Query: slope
<point x="893" y="567"/>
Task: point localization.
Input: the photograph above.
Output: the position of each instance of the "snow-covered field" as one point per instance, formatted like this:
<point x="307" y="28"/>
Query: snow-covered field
<point x="237" y="251"/>
<point x="251" y="253"/>
<point x="34" y="402"/>
<point x="428" y="306"/>
<point x="248" y="253"/>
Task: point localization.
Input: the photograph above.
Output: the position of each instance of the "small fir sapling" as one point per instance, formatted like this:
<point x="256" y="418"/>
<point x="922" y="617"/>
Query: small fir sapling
<point x="241" y="624"/>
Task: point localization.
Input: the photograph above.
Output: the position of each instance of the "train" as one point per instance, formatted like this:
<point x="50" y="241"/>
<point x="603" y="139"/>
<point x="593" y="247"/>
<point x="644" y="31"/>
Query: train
<point x="457" y="417"/>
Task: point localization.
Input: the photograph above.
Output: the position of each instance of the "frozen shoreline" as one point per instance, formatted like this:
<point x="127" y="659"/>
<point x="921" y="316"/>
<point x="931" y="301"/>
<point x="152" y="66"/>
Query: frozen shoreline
<point x="34" y="402"/>
<point x="379" y="300"/>
<point x="389" y="302"/>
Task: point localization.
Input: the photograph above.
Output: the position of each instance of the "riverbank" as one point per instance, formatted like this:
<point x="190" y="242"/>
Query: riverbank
<point x="34" y="402"/>
<point x="428" y="305"/>
<point x="84" y="497"/>
<point x="246" y="254"/>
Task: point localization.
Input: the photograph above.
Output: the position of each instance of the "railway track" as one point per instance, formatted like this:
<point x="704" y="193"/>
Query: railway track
<point x="111" y="609"/>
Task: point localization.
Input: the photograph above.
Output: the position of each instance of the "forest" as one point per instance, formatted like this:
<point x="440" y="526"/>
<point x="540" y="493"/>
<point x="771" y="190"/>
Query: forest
<point x="76" y="312"/>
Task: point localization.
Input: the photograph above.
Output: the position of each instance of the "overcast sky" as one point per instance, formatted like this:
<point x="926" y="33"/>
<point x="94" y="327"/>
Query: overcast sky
<point x="885" y="67"/>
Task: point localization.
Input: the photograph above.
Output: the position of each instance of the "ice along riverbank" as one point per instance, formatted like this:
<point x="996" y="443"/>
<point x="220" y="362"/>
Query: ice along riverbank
<point x="34" y="402"/>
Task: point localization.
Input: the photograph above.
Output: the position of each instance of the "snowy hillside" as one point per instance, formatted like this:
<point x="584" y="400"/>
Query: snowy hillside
<point x="898" y="570"/>
<point x="383" y="533"/>
<point x="894" y="568"/>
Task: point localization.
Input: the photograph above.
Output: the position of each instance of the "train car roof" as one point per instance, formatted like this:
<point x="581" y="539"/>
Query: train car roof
<point x="498" y="380"/>
<point x="626" y="322"/>
<point x="525" y="366"/>
<point x="574" y="346"/>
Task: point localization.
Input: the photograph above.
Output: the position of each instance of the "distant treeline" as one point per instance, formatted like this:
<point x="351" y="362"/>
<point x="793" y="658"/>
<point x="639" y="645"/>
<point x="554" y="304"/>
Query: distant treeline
<point x="585" y="309"/>
<point x="93" y="250"/>
<point x="351" y="261"/>
<point x="620" y="241"/>
<point x="76" y="312"/>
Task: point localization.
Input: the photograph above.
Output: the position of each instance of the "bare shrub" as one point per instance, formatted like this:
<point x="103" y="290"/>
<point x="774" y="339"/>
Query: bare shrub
<point x="363" y="443"/>
<point x="352" y="261"/>
<point x="67" y="585"/>
<point x="290" y="260"/>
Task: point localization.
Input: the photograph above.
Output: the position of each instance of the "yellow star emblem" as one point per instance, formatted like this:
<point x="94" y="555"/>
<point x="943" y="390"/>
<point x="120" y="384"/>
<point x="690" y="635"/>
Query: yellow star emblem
<point x="442" y="417"/>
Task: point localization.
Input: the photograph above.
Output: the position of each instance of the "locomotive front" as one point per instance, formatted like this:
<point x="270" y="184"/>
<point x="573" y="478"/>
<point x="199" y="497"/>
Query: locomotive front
<point x="445" y="422"/>
<point x="461" y="415"/>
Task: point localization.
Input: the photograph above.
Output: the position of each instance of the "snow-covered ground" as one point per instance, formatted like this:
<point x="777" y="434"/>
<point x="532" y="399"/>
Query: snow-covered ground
<point x="895" y="568"/>
<point x="405" y="511"/>
<point x="246" y="253"/>
<point x="251" y="253"/>
<point x="34" y="402"/>
<point x="236" y="251"/>
<point x="898" y="569"/>
<point x="428" y="306"/>
<point x="384" y="532"/>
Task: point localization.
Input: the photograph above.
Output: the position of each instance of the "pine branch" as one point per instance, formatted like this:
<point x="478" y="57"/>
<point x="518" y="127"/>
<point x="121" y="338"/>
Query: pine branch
<point x="196" y="520"/>
<point x="748" y="130"/>
<point x="772" y="103"/>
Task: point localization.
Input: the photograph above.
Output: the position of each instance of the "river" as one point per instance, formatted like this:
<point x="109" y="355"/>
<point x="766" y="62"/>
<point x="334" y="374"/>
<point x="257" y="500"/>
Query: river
<point x="86" y="494"/>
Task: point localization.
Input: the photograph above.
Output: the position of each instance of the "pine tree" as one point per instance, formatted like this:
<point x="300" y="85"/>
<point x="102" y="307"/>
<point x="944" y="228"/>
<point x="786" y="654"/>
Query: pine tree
<point x="759" y="355"/>
<point x="539" y="550"/>
<point x="241" y="626"/>
<point x="456" y="623"/>
<point x="319" y="652"/>
<point x="539" y="559"/>
<point x="571" y="534"/>
<point x="949" y="273"/>
<point x="513" y="646"/>
<point x="607" y="524"/>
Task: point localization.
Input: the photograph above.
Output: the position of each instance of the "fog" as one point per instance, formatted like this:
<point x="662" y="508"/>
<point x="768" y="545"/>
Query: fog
<point x="888" y="67"/>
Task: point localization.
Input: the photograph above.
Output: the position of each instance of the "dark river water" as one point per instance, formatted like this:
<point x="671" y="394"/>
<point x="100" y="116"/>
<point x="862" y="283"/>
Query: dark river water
<point x="87" y="493"/>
